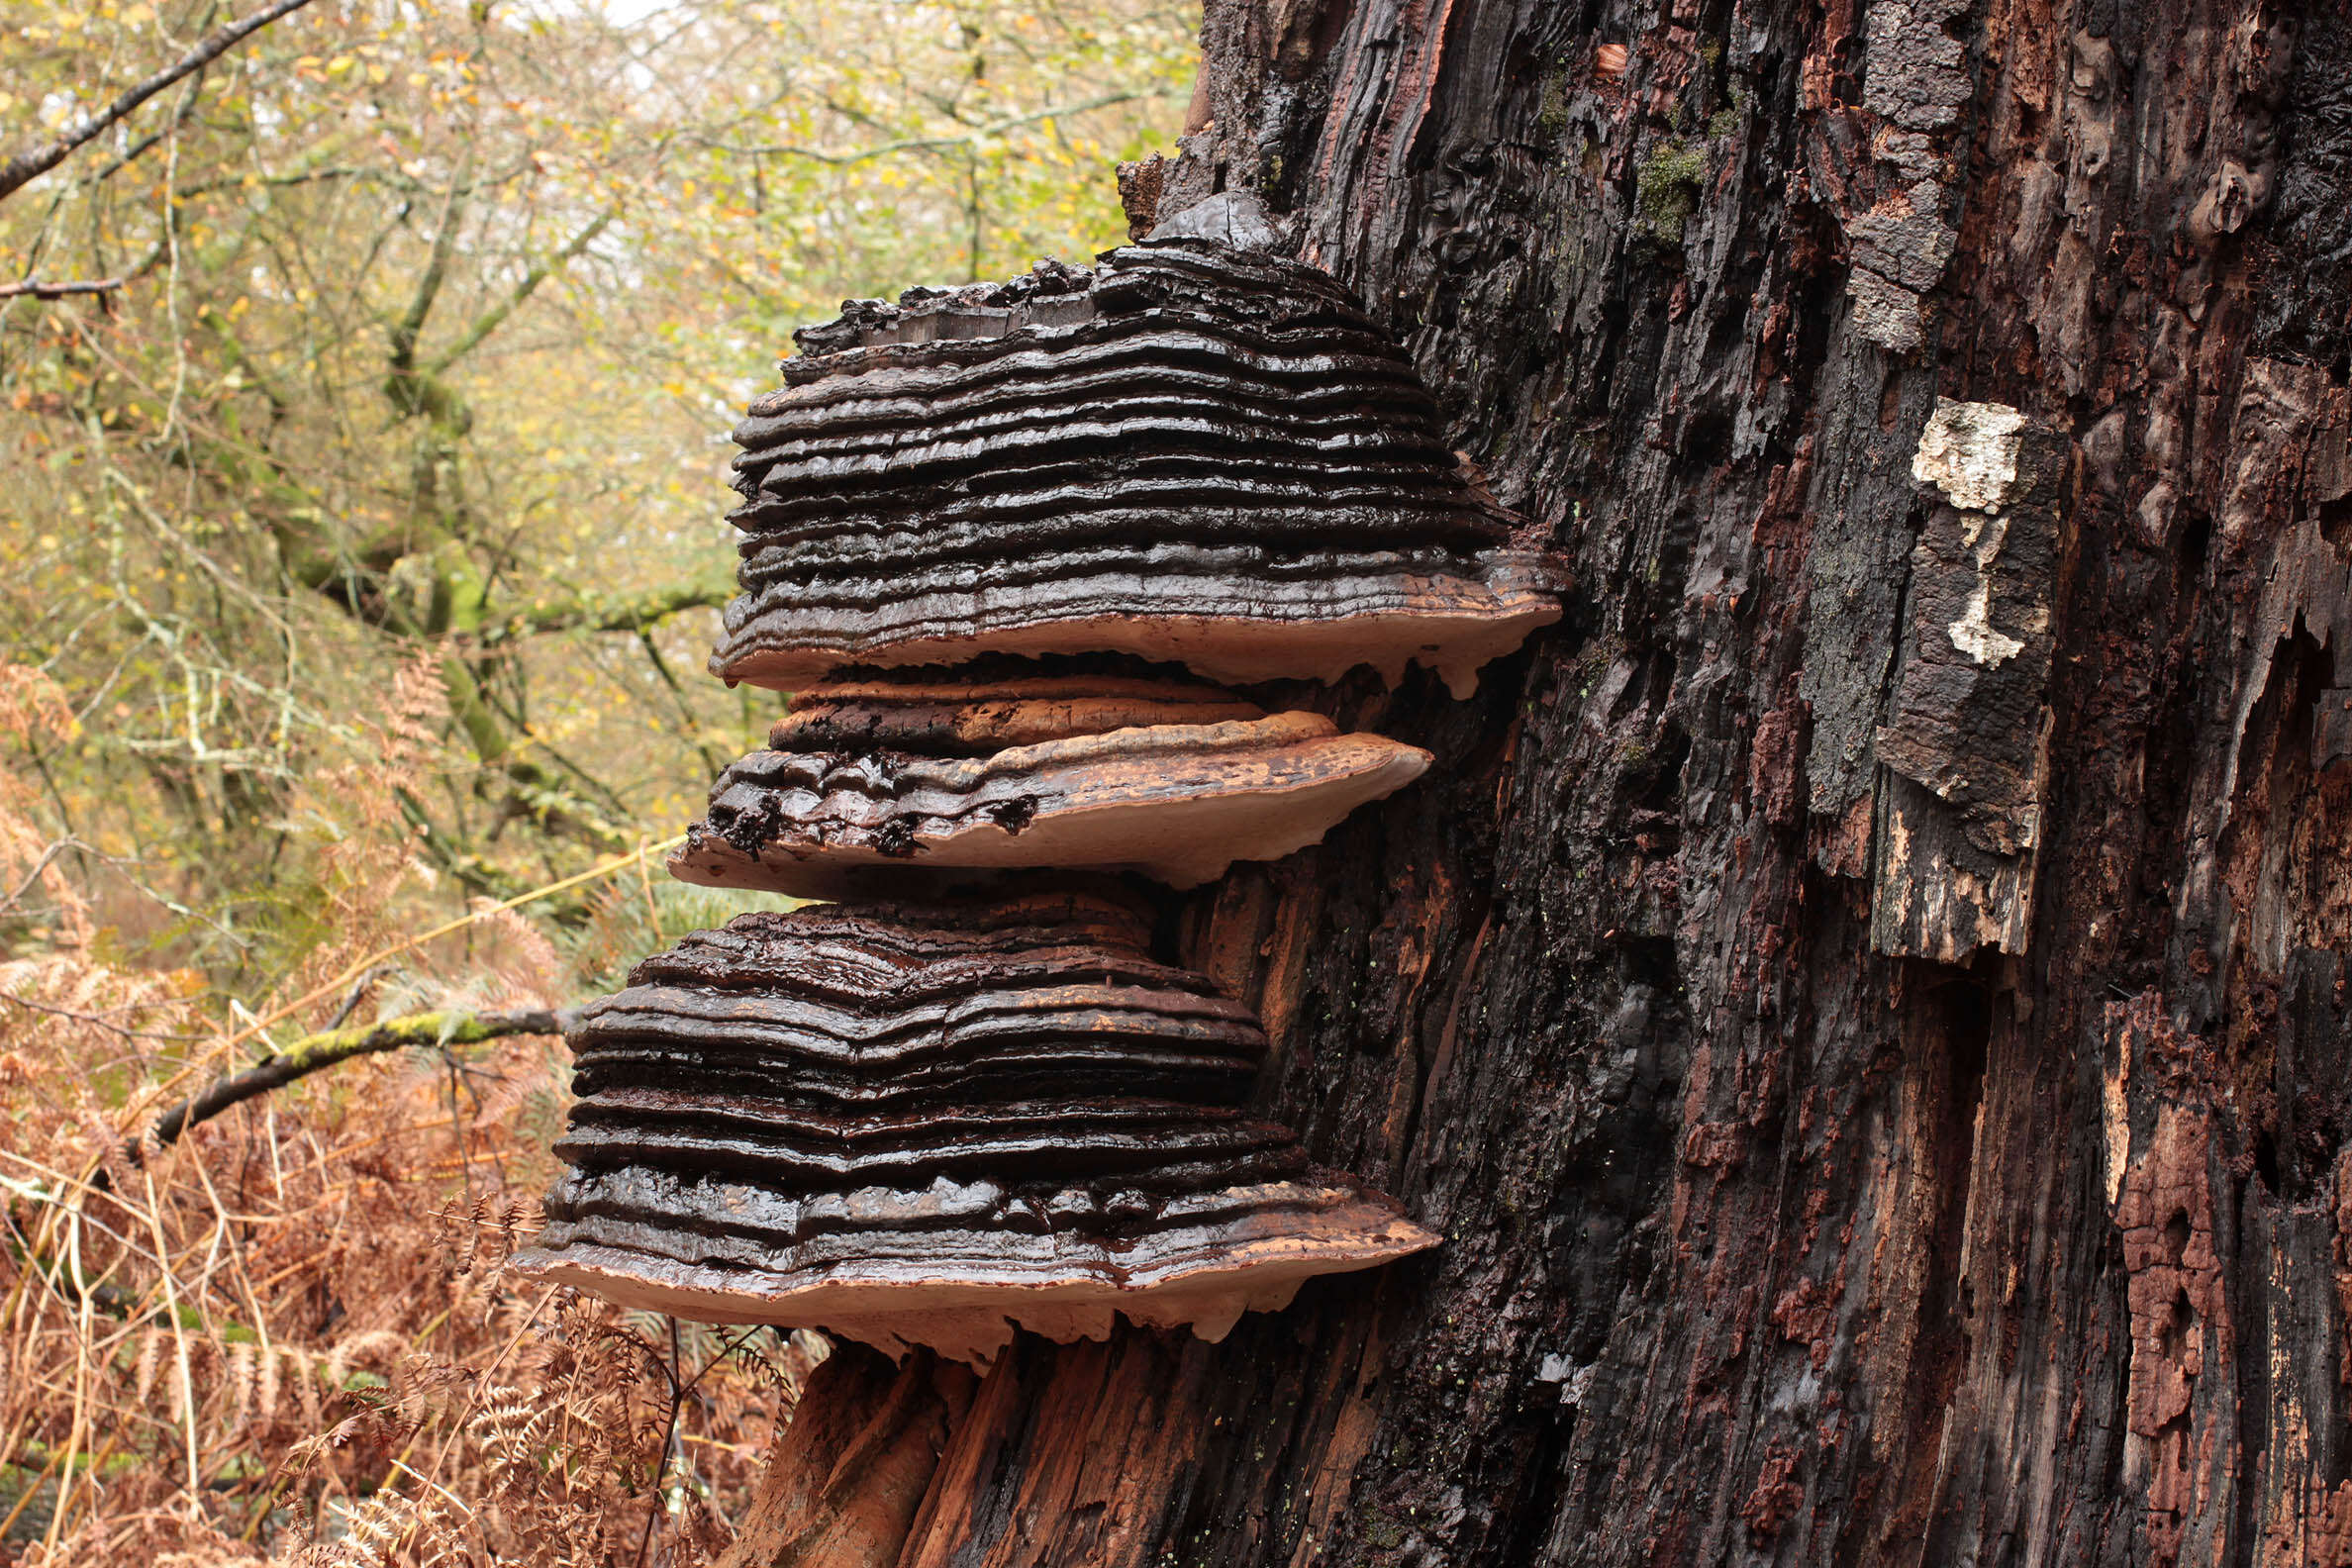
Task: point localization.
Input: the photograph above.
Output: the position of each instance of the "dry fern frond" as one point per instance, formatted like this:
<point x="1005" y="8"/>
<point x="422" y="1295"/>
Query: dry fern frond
<point x="391" y="1528"/>
<point x="300" y="1301"/>
<point x="512" y="1426"/>
<point x="245" y="1378"/>
<point x="386" y="1344"/>
<point x="519" y="955"/>
<point x="30" y="703"/>
<point x="150" y="1358"/>
<point x="696" y="1539"/>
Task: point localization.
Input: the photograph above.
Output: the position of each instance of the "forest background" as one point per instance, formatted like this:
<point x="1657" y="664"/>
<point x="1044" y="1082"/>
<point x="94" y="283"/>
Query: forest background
<point x="363" y="399"/>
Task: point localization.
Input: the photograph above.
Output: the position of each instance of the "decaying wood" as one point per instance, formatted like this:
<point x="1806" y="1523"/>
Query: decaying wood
<point x="1965" y="743"/>
<point x="1778" y="1230"/>
<point x="849" y="1485"/>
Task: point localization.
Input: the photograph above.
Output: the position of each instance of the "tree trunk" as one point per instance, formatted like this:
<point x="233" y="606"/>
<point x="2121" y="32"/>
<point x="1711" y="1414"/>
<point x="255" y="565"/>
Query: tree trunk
<point x="1864" y="997"/>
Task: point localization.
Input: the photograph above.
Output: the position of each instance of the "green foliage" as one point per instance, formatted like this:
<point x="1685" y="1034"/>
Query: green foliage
<point x="362" y="541"/>
<point x="404" y="431"/>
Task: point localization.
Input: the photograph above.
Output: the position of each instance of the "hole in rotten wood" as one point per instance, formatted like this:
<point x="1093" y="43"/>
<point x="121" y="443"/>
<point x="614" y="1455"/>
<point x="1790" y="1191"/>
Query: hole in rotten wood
<point x="2176" y="1237"/>
<point x="2179" y="1323"/>
<point x="2197" y="539"/>
<point x="2336" y="520"/>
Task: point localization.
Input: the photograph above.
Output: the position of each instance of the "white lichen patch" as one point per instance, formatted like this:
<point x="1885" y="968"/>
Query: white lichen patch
<point x="1969" y="450"/>
<point x="1975" y="635"/>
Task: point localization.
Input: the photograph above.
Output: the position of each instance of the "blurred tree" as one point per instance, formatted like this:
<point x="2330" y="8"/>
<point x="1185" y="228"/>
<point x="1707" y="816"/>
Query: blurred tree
<point x="409" y="331"/>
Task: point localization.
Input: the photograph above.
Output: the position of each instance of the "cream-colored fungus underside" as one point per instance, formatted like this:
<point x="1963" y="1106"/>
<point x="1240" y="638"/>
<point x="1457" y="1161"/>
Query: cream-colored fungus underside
<point x="970" y="1315"/>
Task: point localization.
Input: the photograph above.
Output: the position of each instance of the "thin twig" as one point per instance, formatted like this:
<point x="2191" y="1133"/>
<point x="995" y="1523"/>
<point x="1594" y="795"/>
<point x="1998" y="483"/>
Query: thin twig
<point x="669" y="1437"/>
<point x="35" y="288"/>
<point x="356" y="995"/>
<point x="29" y="165"/>
<point x="179" y="1340"/>
<point x="980" y="133"/>
<point x="490" y="320"/>
<point x="48" y="855"/>
<point x="95" y="1020"/>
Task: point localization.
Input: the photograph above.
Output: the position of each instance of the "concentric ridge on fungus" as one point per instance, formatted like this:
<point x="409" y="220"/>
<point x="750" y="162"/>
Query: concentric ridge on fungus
<point x="876" y="778"/>
<point x="1186" y="454"/>
<point x="925" y="1126"/>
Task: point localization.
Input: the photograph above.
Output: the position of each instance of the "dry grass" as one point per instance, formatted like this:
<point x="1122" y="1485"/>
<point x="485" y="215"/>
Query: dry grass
<point x="287" y="1337"/>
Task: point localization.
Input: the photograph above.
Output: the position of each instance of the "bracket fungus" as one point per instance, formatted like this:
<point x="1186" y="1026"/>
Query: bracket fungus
<point x="1188" y="454"/>
<point x="1171" y="779"/>
<point x="981" y="530"/>
<point x="915" y="1126"/>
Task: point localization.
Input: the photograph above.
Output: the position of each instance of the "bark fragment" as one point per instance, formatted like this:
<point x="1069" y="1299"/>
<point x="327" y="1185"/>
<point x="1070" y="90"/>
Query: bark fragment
<point x="1969" y="721"/>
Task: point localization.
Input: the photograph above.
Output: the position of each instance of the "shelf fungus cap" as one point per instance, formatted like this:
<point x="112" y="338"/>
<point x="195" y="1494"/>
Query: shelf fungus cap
<point x="928" y="1128"/>
<point x="976" y="710"/>
<point x="1204" y="1265"/>
<point x="1188" y="454"/>
<point x="1178" y="801"/>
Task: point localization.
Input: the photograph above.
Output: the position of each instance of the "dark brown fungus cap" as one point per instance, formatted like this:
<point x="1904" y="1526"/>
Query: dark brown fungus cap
<point x="977" y="711"/>
<point x="1180" y="782"/>
<point x="925" y="1126"/>
<point x="1188" y="454"/>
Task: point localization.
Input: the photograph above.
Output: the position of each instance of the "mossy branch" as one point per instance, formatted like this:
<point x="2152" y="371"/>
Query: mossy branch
<point x="316" y="1052"/>
<point x="605" y="612"/>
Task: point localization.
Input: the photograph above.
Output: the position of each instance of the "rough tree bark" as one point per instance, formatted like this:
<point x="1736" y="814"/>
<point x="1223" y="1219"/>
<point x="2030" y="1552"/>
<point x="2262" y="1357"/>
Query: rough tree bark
<point x="1884" y="1082"/>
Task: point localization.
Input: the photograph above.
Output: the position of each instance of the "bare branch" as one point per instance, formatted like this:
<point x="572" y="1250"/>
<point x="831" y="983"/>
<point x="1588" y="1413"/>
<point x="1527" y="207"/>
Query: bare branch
<point x="37" y="289"/>
<point x="93" y="1019"/>
<point x="933" y="144"/>
<point x="27" y="166"/>
<point x="146" y="144"/>
<point x="357" y="994"/>
<point x="32" y="288"/>
<point x="402" y="384"/>
<point x="689" y="725"/>
<point x="492" y="318"/>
